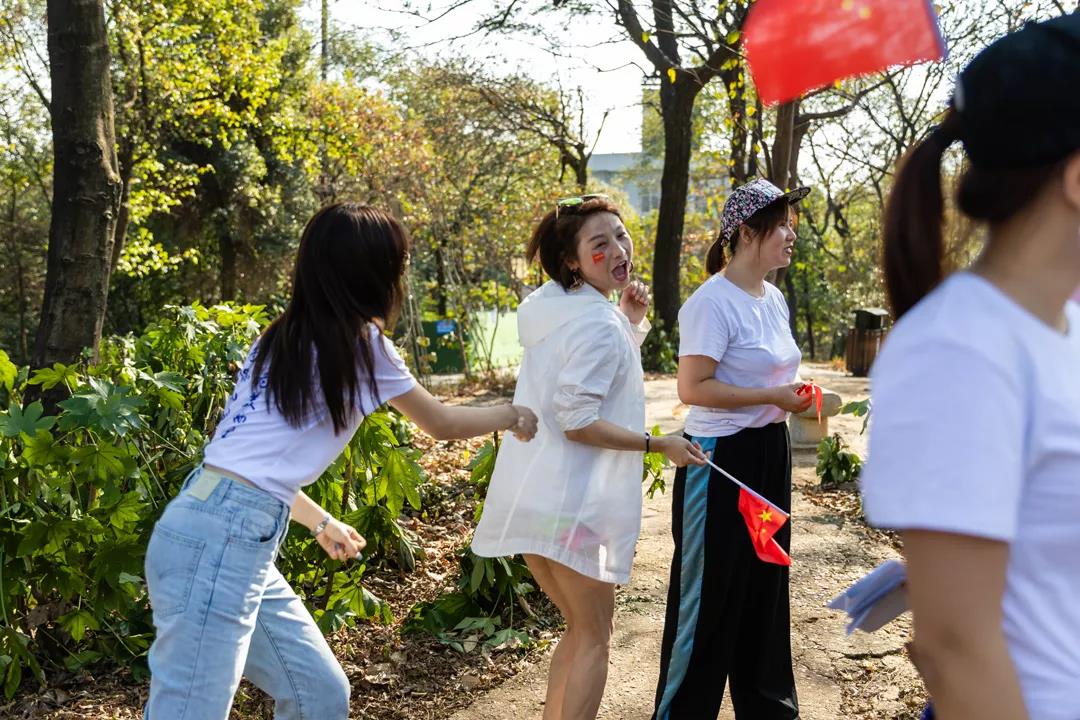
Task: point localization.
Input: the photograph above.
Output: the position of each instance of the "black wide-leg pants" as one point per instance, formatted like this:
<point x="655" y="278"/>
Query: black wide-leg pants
<point x="728" y="616"/>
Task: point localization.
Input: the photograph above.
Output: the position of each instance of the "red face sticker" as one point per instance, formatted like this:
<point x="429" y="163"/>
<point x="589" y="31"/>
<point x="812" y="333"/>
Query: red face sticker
<point x="598" y="257"/>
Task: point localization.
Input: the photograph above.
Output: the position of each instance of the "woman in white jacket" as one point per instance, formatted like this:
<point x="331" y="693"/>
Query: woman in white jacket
<point x="571" y="501"/>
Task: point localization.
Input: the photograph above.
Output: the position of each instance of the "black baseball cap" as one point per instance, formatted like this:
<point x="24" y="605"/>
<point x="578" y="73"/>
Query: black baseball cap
<point x="1019" y="99"/>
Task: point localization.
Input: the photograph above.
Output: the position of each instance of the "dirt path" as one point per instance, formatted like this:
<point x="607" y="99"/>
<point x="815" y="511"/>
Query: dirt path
<point x="862" y="676"/>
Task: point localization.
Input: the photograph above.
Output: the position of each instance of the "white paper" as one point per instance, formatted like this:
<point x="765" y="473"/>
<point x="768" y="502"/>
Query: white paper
<point x="874" y="599"/>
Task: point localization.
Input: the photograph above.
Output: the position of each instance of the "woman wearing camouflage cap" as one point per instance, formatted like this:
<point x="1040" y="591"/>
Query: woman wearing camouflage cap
<point x="727" y="615"/>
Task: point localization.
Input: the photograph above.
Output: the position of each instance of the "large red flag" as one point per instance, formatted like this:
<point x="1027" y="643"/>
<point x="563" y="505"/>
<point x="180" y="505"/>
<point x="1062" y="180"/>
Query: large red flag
<point x="763" y="519"/>
<point x="798" y="45"/>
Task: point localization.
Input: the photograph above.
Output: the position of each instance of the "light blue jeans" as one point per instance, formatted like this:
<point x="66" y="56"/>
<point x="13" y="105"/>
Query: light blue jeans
<point x="222" y="610"/>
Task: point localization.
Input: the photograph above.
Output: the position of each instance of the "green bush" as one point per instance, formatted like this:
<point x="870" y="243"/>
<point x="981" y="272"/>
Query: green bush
<point x="660" y="351"/>
<point x="480" y="612"/>
<point x="836" y="464"/>
<point x="81" y="490"/>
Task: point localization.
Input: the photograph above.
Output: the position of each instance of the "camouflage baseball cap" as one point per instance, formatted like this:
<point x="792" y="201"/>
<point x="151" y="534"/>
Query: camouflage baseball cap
<point x="747" y="199"/>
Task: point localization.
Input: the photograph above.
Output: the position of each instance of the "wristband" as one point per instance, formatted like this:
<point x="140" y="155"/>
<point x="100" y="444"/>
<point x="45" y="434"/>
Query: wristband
<point x="321" y="526"/>
<point x="648" y="437"/>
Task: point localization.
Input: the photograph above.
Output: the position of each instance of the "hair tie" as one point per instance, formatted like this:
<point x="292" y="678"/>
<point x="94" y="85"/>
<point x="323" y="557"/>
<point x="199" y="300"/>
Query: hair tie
<point x="941" y="138"/>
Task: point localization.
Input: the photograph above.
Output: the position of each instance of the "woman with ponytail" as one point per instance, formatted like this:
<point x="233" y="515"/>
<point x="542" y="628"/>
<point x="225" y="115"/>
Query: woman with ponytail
<point x="727" y="613"/>
<point x="570" y="501"/>
<point x="975" y="440"/>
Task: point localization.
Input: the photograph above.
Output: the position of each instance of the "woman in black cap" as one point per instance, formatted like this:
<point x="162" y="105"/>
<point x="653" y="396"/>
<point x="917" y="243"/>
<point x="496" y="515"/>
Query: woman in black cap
<point x="975" y="443"/>
<point x="727" y="614"/>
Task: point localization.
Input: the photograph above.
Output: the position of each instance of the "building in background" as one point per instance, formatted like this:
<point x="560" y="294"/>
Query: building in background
<point x="639" y="177"/>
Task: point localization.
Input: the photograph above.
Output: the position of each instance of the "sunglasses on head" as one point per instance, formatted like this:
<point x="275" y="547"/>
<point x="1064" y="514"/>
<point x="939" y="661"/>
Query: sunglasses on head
<point x="568" y="203"/>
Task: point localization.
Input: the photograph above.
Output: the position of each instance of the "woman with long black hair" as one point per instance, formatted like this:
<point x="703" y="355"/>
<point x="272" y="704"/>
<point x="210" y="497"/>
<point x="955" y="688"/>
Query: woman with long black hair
<point x="221" y="608"/>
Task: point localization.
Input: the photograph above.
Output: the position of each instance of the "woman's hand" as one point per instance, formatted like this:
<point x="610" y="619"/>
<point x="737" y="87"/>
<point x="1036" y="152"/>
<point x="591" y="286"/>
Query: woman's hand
<point x="635" y="301"/>
<point x="786" y="397"/>
<point x="679" y="450"/>
<point x="340" y="541"/>
<point x="523" y="423"/>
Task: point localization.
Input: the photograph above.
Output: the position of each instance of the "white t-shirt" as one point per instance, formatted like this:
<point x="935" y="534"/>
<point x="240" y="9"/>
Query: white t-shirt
<point x="254" y="441"/>
<point x="976" y="430"/>
<point x="750" y="340"/>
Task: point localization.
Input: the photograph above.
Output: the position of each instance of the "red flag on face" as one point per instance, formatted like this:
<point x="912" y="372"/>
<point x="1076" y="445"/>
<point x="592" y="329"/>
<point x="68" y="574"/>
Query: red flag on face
<point x="798" y="45"/>
<point x="763" y="519"/>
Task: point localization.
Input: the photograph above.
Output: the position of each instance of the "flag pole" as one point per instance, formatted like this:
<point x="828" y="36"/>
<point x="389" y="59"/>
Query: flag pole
<point x="743" y="485"/>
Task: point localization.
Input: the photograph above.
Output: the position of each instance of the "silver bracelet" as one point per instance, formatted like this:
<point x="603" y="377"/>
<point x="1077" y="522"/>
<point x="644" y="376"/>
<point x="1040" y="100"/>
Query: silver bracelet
<point x="321" y="526"/>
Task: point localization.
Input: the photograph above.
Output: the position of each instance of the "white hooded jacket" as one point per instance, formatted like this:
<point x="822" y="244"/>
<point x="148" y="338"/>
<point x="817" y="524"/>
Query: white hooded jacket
<point x="573" y="503"/>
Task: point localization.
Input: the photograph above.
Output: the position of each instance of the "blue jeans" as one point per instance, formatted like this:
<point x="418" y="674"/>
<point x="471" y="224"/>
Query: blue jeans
<point x="222" y="610"/>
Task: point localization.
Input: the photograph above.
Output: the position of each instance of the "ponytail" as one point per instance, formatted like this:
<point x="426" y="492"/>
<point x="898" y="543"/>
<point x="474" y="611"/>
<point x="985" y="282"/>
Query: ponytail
<point x="716" y="259"/>
<point x="758" y="225"/>
<point x="914" y="251"/>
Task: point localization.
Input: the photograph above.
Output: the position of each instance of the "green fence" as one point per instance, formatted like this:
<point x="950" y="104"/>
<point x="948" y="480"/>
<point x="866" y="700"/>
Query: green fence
<point x="492" y="342"/>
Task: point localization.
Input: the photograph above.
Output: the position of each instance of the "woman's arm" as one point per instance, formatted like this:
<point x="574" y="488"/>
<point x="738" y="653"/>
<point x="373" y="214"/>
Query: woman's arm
<point x="340" y="541"/>
<point x="698" y="386"/>
<point x="955" y="586"/>
<point x="445" y="422"/>
<point x="604" y="434"/>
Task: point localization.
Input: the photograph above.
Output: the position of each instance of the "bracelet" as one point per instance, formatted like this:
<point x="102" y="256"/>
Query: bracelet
<point x="648" y="437"/>
<point x="321" y="526"/>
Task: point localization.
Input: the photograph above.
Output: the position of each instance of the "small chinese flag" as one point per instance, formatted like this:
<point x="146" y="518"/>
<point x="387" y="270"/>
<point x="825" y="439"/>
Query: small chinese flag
<point x="816" y="394"/>
<point x="763" y="519"/>
<point x="798" y="45"/>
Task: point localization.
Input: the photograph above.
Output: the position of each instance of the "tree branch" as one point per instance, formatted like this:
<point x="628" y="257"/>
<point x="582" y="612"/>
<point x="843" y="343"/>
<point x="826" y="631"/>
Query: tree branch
<point x="629" y="18"/>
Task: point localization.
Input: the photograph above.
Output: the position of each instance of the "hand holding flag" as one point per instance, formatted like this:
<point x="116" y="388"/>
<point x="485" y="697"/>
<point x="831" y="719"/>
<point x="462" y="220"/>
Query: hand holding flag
<point x="814" y="391"/>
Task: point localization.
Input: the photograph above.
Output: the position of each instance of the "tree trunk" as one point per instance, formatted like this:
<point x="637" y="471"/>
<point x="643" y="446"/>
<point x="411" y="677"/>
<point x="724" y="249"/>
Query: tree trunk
<point x="581" y="172"/>
<point x="809" y="312"/>
<point x="86" y="183"/>
<point x="676" y="107"/>
<point x="20" y="277"/>
<point x="739" y="161"/>
<point x="324" y="38"/>
<point x="441" y="278"/>
<point x="227" y="248"/>
<point x="784" y="170"/>
<point x="126" y="158"/>
<point x="792" y="303"/>
<point x="783" y="150"/>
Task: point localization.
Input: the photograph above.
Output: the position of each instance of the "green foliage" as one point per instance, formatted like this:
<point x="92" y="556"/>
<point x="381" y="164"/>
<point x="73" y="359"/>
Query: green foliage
<point x="653" y="472"/>
<point x="836" y="464"/>
<point x="481" y="467"/>
<point x="80" y="491"/>
<point x="479" y="613"/>
<point x="859" y="408"/>
<point x="660" y="351"/>
<point x="485" y="634"/>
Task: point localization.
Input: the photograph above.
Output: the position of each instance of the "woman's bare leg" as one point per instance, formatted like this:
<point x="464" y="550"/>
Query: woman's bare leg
<point x="591" y="604"/>
<point x="562" y="658"/>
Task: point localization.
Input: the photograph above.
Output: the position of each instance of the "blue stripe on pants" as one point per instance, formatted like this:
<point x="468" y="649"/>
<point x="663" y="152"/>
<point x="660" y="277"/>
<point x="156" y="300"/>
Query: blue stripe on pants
<point x="691" y="571"/>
